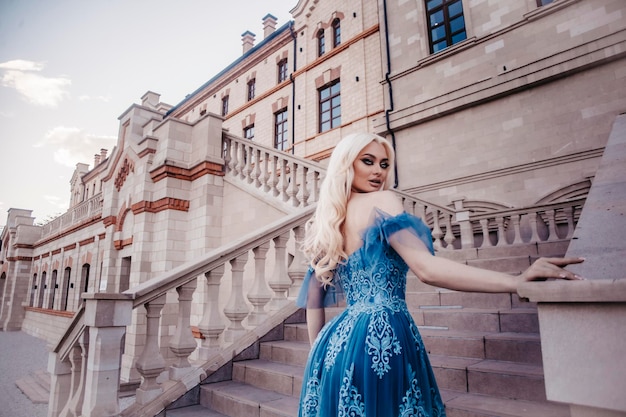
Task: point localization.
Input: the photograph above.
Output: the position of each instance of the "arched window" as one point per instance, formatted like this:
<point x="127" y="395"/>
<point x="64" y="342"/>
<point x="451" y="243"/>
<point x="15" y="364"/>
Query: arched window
<point x="33" y="290"/>
<point x="65" y="288"/>
<point x="321" y="43"/>
<point x="336" y="33"/>
<point x="42" y="289"/>
<point x="53" y="289"/>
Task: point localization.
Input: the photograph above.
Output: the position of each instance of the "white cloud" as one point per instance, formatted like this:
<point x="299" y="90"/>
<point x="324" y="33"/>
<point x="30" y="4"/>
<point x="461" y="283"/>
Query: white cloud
<point x="35" y="88"/>
<point x="104" y="99"/>
<point x="73" y="145"/>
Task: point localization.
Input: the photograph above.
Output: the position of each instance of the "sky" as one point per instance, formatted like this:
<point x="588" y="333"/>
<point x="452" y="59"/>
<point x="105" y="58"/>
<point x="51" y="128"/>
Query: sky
<point x="70" y="68"/>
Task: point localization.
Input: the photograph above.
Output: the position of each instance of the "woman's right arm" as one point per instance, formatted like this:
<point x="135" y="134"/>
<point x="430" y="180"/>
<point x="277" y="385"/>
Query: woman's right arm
<point x="315" y="319"/>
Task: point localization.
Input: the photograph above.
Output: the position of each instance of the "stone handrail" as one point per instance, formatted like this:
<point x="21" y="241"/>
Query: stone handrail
<point x="86" y="210"/>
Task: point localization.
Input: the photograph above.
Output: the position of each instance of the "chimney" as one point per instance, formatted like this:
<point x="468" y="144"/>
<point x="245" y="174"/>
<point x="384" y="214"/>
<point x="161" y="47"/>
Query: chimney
<point x="269" y="25"/>
<point x="96" y="160"/>
<point x="150" y="99"/>
<point x="247" y="38"/>
<point x="103" y="155"/>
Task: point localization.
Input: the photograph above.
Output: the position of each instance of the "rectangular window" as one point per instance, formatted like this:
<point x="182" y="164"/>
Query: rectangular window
<point x="280" y="130"/>
<point x="248" y="132"/>
<point x="543" y="2"/>
<point x="330" y="106"/>
<point x="224" y="105"/>
<point x="446" y="24"/>
<point x="251" y="88"/>
<point x="282" y="70"/>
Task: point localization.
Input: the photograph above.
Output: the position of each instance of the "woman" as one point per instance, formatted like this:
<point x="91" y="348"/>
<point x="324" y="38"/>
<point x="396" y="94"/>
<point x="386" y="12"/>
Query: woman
<point x="370" y="359"/>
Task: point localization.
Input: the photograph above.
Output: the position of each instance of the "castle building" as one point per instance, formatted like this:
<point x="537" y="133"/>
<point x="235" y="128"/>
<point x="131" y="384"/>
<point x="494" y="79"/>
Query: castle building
<point x="490" y="105"/>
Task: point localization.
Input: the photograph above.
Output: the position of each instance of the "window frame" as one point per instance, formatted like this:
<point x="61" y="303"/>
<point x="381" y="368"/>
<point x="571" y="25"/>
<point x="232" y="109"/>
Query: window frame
<point x="336" y="26"/>
<point x="321" y="43"/>
<point x="251" y="89"/>
<point x="325" y="115"/>
<point x="444" y="7"/>
<point x="248" y="132"/>
<point x="281" y="130"/>
<point x="283" y="70"/>
<point x="225" y="105"/>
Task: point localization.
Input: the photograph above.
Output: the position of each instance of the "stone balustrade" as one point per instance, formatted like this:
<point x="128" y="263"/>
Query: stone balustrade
<point x="86" y="210"/>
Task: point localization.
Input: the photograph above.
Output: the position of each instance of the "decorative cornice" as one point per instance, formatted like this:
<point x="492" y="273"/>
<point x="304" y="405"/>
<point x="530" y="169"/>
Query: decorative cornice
<point x="120" y="244"/>
<point x="19" y="258"/>
<point x="166" y="203"/>
<point x="187" y="174"/>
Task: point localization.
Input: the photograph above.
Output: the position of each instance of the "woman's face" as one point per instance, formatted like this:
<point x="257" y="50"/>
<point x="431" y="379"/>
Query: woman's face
<point x="370" y="168"/>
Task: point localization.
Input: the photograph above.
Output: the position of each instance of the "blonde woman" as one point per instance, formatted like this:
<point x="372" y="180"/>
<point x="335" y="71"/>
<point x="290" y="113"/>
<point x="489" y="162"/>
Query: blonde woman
<point x="370" y="360"/>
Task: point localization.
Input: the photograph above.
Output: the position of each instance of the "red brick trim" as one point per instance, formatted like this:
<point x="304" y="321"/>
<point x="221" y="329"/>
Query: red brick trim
<point x="70" y="247"/>
<point x="19" y="258"/>
<point x="166" y="203"/>
<point x="121" y="244"/>
<point x="86" y="241"/>
<point x="203" y="168"/>
<point x="50" y="312"/>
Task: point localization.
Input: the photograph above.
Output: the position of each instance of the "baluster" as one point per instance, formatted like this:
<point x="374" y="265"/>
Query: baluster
<point x="259" y="294"/>
<point x="245" y="161"/>
<point x="501" y="236"/>
<point x="284" y="179"/>
<point x="408" y="205"/>
<point x="484" y="225"/>
<point x="236" y="310"/>
<point x="256" y="174"/>
<point x="235" y="157"/>
<point x="316" y="186"/>
<point x="550" y="214"/>
<point x="280" y="281"/>
<point x="292" y="187"/>
<point x="275" y="175"/>
<point x="150" y="363"/>
<point x="298" y="266"/>
<point x="449" y="237"/>
<point x="183" y="343"/>
<point x="437" y="233"/>
<point x="226" y="150"/>
<point x="532" y="223"/>
<point x="420" y="211"/>
<point x="211" y="326"/>
<point x="266" y="172"/>
<point x="569" y="213"/>
<point x="515" y="219"/>
<point x="78" y="358"/>
<point x="304" y="187"/>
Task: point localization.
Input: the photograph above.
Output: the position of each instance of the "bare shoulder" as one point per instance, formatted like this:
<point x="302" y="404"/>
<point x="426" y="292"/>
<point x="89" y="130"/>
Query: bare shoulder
<point x="385" y="200"/>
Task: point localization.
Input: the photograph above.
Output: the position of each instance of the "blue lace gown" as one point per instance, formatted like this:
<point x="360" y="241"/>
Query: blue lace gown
<point x="370" y="359"/>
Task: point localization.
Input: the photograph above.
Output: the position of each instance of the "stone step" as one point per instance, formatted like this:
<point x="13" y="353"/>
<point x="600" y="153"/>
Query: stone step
<point x="512" y="347"/>
<point x="236" y="399"/>
<point x="507" y="380"/>
<point x="486" y="320"/>
<point x="296" y="332"/>
<point x="273" y="376"/>
<point x="31" y="387"/>
<point x="460" y="404"/>
<point x="285" y="351"/>
<point x="489" y="377"/>
<point x="193" y="411"/>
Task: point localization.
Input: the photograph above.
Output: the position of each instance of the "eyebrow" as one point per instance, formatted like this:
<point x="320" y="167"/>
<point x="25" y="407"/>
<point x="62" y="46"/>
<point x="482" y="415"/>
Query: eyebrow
<point x="373" y="156"/>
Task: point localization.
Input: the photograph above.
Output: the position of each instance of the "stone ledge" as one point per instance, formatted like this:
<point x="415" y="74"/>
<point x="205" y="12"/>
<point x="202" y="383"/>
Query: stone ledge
<point x="587" y="291"/>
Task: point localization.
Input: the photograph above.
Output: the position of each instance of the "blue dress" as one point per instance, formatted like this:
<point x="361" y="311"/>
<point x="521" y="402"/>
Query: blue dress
<point x="370" y="359"/>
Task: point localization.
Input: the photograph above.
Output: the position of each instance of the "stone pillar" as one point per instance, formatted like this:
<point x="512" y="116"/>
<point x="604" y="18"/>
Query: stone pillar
<point x="60" y="384"/>
<point x="107" y="316"/>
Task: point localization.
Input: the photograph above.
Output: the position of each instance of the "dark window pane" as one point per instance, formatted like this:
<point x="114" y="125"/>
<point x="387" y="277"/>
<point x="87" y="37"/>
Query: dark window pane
<point x="459" y="37"/>
<point x="432" y="3"/>
<point x="436" y="18"/>
<point x="455" y="9"/>
<point x="457" y="24"/>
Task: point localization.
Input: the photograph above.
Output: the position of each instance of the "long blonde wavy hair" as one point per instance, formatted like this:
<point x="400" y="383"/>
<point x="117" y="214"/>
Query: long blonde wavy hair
<point x="323" y="241"/>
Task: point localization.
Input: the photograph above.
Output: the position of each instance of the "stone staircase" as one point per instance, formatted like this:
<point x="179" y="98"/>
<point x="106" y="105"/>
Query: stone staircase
<point x="36" y="386"/>
<point x="484" y="348"/>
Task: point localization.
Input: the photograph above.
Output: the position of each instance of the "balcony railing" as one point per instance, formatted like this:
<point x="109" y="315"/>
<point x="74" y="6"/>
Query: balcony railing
<point x="86" y="210"/>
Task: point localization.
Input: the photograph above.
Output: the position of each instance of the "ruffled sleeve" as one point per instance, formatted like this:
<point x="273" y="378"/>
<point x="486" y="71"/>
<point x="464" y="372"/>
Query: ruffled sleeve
<point x="313" y="294"/>
<point x="403" y="229"/>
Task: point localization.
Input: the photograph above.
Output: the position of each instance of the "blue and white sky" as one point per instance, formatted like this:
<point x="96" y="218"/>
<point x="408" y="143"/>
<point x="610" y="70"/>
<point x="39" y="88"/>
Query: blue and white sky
<point x="70" y="68"/>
